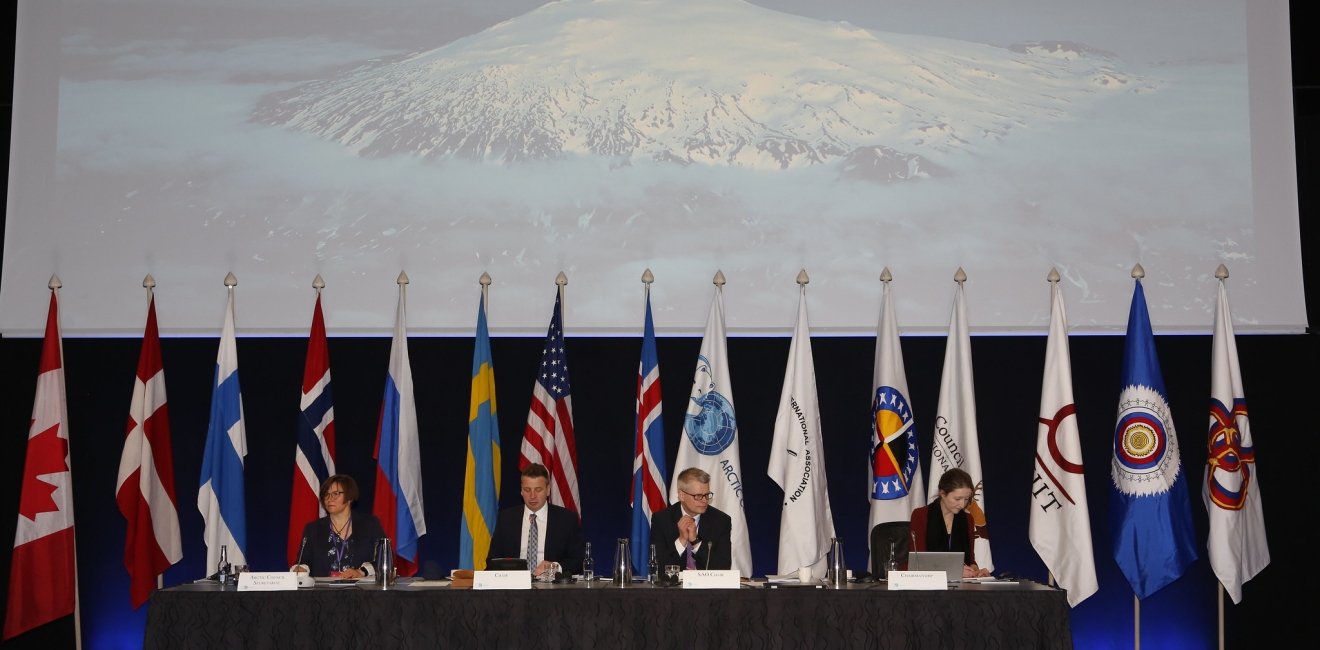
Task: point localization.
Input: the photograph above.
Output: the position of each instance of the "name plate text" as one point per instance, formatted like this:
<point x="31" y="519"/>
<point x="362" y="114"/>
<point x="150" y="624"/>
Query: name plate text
<point x="502" y="579"/>
<point x="711" y="579"/>
<point x="918" y="580"/>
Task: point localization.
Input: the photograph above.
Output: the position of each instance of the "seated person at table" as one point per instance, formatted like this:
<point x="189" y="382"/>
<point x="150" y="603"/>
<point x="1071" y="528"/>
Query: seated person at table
<point x="945" y="524"/>
<point x="341" y="543"/>
<point x="692" y="533"/>
<point x="552" y="532"/>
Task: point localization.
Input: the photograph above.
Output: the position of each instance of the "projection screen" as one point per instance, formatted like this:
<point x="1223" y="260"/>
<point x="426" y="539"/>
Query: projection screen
<point x="282" y="139"/>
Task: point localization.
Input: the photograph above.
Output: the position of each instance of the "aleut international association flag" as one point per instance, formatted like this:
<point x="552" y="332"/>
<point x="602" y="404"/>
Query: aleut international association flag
<point x="42" y="574"/>
<point x="145" y="487"/>
<point x="896" y="487"/>
<point x="397" y="501"/>
<point x="956" y="443"/>
<point x="1150" y="515"/>
<point x="710" y="432"/>
<point x="797" y="459"/>
<point x="1231" y="489"/>
<point x="1060" y="526"/>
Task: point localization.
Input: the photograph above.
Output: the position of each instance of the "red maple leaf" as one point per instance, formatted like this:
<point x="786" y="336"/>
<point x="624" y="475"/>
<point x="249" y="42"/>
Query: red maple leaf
<point x="45" y="455"/>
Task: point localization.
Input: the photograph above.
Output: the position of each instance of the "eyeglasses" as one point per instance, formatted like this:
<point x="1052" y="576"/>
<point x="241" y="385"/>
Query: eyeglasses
<point x="336" y="493"/>
<point x="699" y="497"/>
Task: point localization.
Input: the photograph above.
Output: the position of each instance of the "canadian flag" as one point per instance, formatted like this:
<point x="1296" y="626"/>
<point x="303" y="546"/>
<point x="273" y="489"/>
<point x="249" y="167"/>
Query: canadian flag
<point x="41" y="576"/>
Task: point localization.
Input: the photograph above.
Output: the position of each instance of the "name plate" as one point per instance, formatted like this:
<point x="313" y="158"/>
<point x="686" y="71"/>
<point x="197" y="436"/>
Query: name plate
<point x="918" y="580"/>
<point x="502" y="579"/>
<point x="268" y="581"/>
<point x="711" y="579"/>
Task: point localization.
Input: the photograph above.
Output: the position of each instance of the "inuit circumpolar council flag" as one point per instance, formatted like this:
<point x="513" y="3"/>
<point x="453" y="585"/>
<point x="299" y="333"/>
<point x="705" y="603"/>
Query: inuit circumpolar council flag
<point x="710" y="434"/>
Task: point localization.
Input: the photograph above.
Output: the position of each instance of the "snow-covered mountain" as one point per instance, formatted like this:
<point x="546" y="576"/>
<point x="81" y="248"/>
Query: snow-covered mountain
<point x="713" y="82"/>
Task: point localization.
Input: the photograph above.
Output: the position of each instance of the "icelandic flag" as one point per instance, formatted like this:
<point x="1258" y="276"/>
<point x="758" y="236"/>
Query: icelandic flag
<point x="1237" y="544"/>
<point x="220" y="498"/>
<point x="397" y="501"/>
<point x="481" y="479"/>
<point x="145" y="489"/>
<point x="648" y="491"/>
<point x="1150" y="515"/>
<point x="314" y="455"/>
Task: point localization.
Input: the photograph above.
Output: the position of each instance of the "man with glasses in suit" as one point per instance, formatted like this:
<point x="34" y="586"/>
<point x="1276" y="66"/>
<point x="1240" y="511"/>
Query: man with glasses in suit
<point x="692" y="533"/>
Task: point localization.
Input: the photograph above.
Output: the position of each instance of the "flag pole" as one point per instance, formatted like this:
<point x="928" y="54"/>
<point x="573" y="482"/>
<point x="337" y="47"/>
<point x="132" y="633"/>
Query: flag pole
<point x="1053" y="278"/>
<point x="54" y="285"/>
<point x="149" y="283"/>
<point x="1221" y="273"/>
<point x="561" y="281"/>
<point x="1137" y="274"/>
<point x="485" y="281"/>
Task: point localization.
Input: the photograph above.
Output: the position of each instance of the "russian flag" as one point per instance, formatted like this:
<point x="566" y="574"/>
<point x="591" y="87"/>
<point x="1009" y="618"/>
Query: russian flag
<point x="397" y="500"/>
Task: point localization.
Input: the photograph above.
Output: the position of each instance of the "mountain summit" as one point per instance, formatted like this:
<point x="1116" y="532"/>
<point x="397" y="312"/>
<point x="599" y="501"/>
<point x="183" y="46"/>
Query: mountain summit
<point x="707" y="82"/>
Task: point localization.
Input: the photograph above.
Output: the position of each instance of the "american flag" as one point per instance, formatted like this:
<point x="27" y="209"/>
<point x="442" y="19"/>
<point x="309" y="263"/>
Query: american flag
<point x="548" y="438"/>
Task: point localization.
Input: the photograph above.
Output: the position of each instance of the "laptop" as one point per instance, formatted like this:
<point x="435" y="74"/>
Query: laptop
<point x="950" y="562"/>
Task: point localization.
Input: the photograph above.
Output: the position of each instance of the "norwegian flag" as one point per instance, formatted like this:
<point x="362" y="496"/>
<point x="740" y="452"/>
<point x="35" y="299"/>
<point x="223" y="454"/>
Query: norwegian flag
<point x="145" y="491"/>
<point x="648" y="492"/>
<point x="314" y="457"/>
<point x="548" y="438"/>
<point x="42" y="578"/>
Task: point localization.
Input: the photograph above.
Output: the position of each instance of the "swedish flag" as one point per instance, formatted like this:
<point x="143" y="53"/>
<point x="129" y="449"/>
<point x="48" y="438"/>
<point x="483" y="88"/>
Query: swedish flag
<point x="481" y="481"/>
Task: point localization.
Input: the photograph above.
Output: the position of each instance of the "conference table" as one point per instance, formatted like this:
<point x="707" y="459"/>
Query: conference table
<point x="602" y="615"/>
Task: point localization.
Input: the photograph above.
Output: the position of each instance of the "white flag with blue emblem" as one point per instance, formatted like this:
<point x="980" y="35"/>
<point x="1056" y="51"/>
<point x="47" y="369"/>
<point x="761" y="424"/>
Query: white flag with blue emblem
<point x="1237" y="544"/>
<point x="895" y="487"/>
<point x="221" y="496"/>
<point x="1150" y="514"/>
<point x="797" y="461"/>
<point x="710" y="434"/>
<point x="956" y="443"/>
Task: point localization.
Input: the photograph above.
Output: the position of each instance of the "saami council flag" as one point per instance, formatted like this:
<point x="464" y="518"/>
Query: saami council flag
<point x="1150" y="514"/>
<point x="42" y="575"/>
<point x="481" y="478"/>
<point x="1237" y="545"/>
<point x="314" y="454"/>
<point x="397" y="501"/>
<point x="895" y="488"/>
<point x="710" y="432"/>
<point x="1060" y="527"/>
<point x="548" y="437"/>
<point x="145" y="489"/>
<point x="221" y="496"/>
<point x="956" y="442"/>
<point x="797" y="459"/>
<point x="648" y="473"/>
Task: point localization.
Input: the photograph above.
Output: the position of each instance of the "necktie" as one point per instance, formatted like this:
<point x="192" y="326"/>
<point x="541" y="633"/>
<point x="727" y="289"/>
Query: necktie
<point x="691" y="557"/>
<point x="533" y="537"/>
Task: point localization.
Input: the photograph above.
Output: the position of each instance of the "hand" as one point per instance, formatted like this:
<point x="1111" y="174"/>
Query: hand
<point x="973" y="571"/>
<point x="300" y="568"/>
<point x="687" y="529"/>
<point x="351" y="574"/>
<point x="543" y="567"/>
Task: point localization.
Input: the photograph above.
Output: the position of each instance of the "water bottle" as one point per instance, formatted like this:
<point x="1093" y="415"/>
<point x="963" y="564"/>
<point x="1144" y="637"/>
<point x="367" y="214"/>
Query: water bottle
<point x="588" y="567"/>
<point x="891" y="564"/>
<point x="222" y="567"/>
<point x="622" y="563"/>
<point x="384" y="561"/>
<point x="652" y="569"/>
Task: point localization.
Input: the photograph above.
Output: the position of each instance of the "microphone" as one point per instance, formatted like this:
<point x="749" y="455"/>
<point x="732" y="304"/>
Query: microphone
<point x="710" y="550"/>
<point x="304" y="579"/>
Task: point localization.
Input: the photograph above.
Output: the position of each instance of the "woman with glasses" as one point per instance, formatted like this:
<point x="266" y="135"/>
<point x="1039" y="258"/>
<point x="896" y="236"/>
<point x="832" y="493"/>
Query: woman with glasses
<point x="692" y="533"/>
<point x="340" y="544"/>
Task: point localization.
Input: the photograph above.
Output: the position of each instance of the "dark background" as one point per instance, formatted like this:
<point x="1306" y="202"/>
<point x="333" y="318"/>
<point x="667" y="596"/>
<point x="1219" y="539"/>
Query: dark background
<point x="1278" y="372"/>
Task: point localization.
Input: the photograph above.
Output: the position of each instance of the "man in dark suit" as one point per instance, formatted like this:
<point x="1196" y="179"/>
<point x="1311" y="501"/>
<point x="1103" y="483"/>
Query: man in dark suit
<point x="557" y="536"/>
<point x="692" y="533"/>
